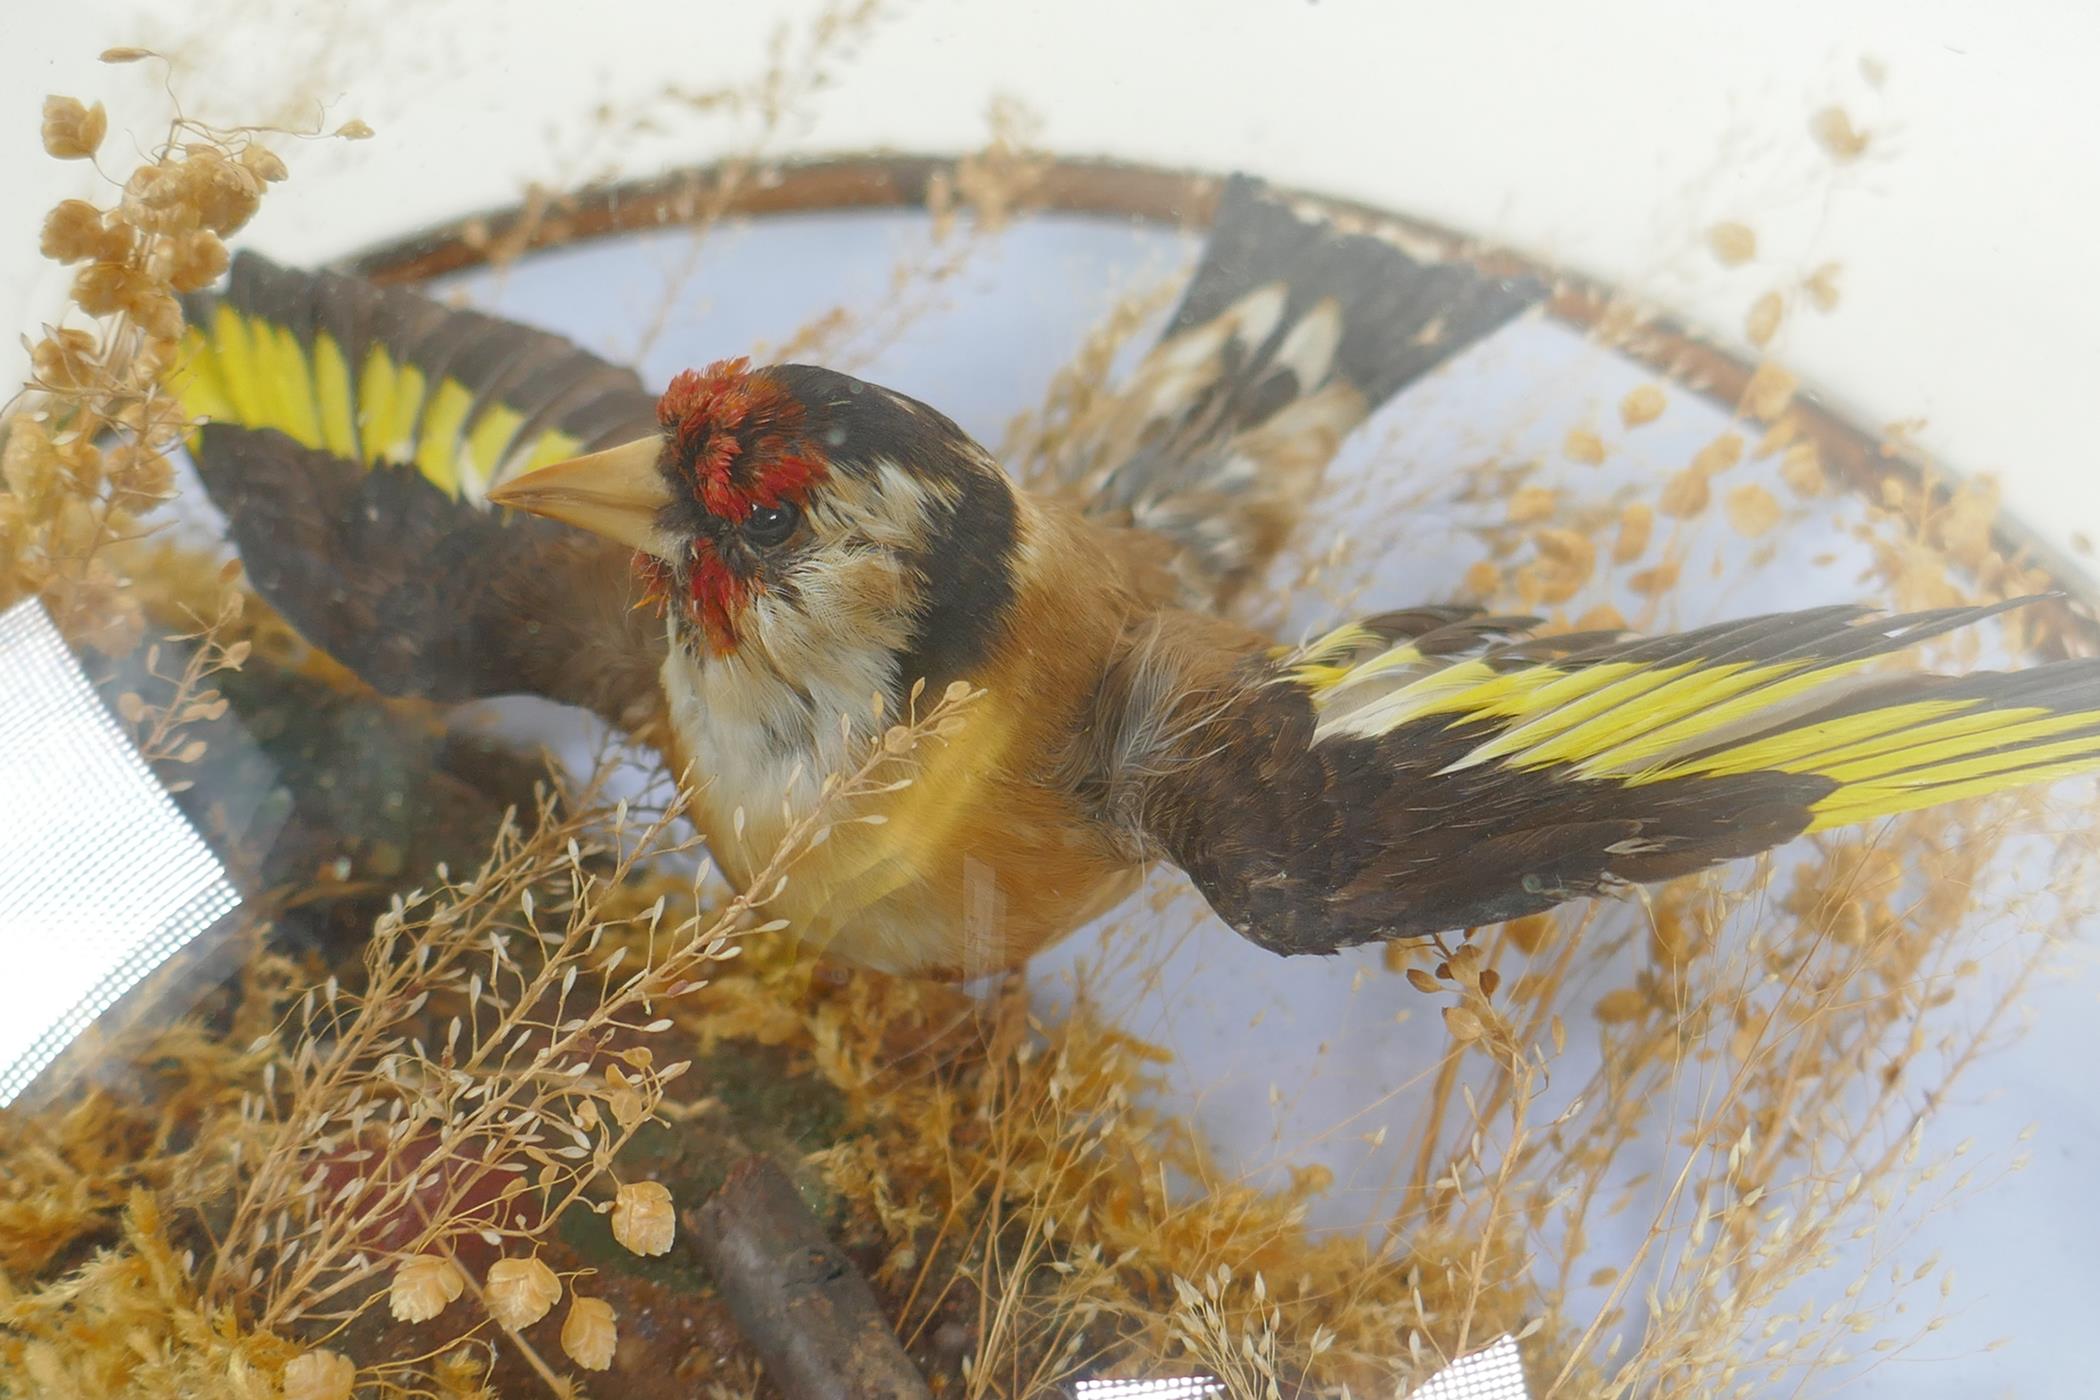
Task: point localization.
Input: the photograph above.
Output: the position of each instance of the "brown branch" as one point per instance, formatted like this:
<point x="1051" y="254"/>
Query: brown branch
<point x="797" y="1298"/>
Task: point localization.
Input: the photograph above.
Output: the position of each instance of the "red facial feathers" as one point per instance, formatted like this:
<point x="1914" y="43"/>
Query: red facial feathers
<point x="742" y="433"/>
<point x="719" y="594"/>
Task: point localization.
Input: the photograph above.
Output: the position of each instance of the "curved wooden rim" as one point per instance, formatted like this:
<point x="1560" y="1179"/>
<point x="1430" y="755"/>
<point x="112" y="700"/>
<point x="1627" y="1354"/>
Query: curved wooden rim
<point x="1155" y="194"/>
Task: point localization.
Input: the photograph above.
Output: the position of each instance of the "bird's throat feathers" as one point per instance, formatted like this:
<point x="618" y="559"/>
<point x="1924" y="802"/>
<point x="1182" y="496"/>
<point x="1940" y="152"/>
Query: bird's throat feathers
<point x="716" y="594"/>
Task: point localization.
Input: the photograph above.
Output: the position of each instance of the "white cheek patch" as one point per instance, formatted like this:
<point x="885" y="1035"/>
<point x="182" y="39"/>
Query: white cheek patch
<point x="1309" y="350"/>
<point x="885" y="505"/>
<point x="902" y="506"/>
<point x="1255" y="316"/>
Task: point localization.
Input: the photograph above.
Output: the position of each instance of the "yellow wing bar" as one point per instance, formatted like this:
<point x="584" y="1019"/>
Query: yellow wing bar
<point x="1788" y="693"/>
<point x="373" y="375"/>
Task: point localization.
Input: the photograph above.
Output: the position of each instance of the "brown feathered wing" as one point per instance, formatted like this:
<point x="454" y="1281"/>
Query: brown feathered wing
<point x="1438" y="769"/>
<point x="352" y="433"/>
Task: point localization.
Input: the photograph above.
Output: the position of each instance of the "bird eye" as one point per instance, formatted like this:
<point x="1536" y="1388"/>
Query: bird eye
<point x="767" y="526"/>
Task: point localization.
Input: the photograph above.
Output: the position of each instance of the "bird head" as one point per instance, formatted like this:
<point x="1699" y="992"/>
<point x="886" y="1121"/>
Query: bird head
<point x="790" y="515"/>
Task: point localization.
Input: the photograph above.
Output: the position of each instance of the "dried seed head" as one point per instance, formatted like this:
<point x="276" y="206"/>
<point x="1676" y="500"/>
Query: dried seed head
<point x="1582" y="445"/>
<point x="521" y="1291"/>
<point x="1769" y="392"/>
<point x="643" y="1219"/>
<point x="1685" y="494"/>
<point x="81" y="461"/>
<point x="1752" y="510"/>
<point x="1462" y="1024"/>
<point x="423" y="1285"/>
<point x="1732" y="243"/>
<point x="1530" y="933"/>
<point x="1641" y="405"/>
<point x="224" y="193"/>
<point x="319" y="1375"/>
<point x="1566" y="559"/>
<point x="1822" y="286"/>
<point x="73" y="131"/>
<point x="139" y="472"/>
<point x="1719" y="455"/>
<point x="1531" y="504"/>
<point x="108" y="288"/>
<point x="29" y="465"/>
<point x="1636" y="528"/>
<point x="75" y="231"/>
<point x="1620" y="1005"/>
<point x="1763" y="322"/>
<point x="589" y="1334"/>
<point x="1834" y="132"/>
<point x="1652" y="583"/>
<point x="197" y="261"/>
<point x="623" y="1098"/>
<point x="1802" y="469"/>
<point x="64" y="361"/>
<point x="264" y="162"/>
<point x="156" y="199"/>
<point x="159" y="316"/>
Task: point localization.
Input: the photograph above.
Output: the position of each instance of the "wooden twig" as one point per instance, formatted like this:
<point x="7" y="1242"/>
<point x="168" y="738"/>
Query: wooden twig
<point x="796" y="1297"/>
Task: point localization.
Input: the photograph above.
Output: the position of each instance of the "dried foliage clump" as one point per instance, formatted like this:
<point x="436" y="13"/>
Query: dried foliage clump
<point x="409" y="1136"/>
<point x="86" y="446"/>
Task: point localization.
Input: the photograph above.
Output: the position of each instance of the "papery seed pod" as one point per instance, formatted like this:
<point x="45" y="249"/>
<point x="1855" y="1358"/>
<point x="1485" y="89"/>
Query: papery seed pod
<point x="1763" y="321"/>
<point x="64" y="361"/>
<point x="1643" y="404"/>
<point x="1752" y="510"/>
<point x="159" y="315"/>
<point x="156" y="199"/>
<point x="225" y="193"/>
<point x="1732" y="243"/>
<point x="319" y="1375"/>
<point x="643" y="1218"/>
<point x="423" y="1285"/>
<point x="264" y="162"/>
<point x="75" y="231"/>
<point x="106" y="288"/>
<point x="589" y="1333"/>
<point x="521" y="1291"/>
<point x="73" y="130"/>
<point x="199" y="259"/>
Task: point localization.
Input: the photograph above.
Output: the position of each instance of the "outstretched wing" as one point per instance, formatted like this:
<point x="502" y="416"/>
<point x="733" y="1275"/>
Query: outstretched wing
<point x="1436" y="769"/>
<point x="351" y="435"/>
<point x="1290" y="333"/>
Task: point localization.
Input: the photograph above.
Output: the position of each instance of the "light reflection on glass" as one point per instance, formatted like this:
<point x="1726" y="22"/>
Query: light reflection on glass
<point x="102" y="879"/>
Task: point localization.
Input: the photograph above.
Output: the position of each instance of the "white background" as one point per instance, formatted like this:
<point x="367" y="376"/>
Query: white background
<point x="1602" y="135"/>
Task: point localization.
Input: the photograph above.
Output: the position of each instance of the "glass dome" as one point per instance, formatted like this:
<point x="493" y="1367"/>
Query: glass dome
<point x="481" y="922"/>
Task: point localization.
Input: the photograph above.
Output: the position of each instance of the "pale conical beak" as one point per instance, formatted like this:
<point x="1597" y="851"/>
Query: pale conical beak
<point x="617" y="493"/>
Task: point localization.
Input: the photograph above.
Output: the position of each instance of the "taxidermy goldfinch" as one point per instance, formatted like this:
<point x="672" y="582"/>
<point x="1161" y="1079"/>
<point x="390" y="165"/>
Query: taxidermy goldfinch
<point x="457" y="506"/>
